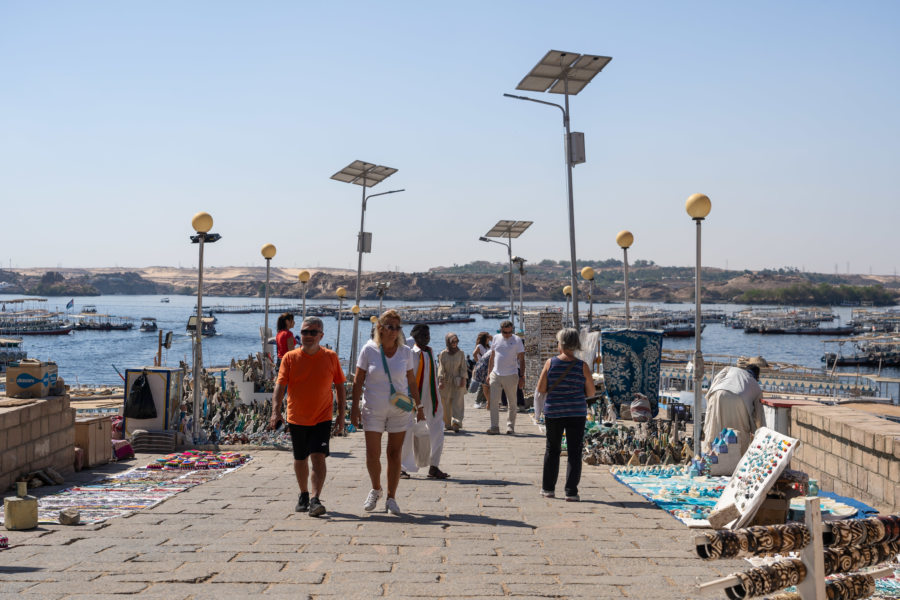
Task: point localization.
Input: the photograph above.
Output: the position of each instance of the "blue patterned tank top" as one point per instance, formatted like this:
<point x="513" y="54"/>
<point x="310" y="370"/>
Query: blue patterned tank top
<point x="567" y="399"/>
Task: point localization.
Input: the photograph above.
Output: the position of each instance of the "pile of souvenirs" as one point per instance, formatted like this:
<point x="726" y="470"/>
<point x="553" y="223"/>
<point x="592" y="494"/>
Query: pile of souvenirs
<point x="194" y="460"/>
<point x="653" y="443"/>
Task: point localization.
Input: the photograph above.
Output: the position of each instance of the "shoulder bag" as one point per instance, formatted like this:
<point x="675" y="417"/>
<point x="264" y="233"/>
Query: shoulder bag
<point x="401" y="401"/>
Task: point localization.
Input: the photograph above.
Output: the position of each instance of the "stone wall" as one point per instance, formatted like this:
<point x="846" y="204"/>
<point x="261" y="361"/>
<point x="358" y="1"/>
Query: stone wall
<point x="35" y="436"/>
<point x="849" y="452"/>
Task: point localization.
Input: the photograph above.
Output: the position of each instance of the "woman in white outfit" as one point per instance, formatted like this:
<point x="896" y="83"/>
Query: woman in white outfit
<point x="384" y="362"/>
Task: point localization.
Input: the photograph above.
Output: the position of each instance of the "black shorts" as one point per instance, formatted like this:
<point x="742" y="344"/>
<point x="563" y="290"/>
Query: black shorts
<point x="310" y="439"/>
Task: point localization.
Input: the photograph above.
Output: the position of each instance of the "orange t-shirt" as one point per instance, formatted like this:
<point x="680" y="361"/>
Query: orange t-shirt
<point x="308" y="378"/>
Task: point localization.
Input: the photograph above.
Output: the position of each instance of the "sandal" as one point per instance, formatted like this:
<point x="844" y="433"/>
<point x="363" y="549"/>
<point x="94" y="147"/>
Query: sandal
<point x="435" y="473"/>
<point x="404" y="475"/>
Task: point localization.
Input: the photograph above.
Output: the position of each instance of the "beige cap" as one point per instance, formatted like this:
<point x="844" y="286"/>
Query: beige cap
<point x="743" y="362"/>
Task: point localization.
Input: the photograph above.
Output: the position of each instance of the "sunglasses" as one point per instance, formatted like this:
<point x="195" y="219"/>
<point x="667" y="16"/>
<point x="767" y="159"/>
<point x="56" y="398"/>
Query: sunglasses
<point x="506" y="331"/>
<point x="310" y="332"/>
<point x="392" y="327"/>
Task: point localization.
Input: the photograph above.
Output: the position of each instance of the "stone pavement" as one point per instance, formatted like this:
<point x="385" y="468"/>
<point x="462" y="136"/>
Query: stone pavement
<point x="485" y="532"/>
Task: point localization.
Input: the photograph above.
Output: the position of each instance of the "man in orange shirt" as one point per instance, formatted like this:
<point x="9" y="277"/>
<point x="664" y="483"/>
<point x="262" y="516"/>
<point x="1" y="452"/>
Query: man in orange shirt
<point x="307" y="374"/>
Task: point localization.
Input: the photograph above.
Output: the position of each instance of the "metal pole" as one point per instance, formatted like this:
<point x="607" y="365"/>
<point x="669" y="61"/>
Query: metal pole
<point x="380" y="300"/>
<point x="512" y="308"/>
<point x="337" y="344"/>
<point x="265" y="334"/>
<point x="698" y="355"/>
<point x="567" y="308"/>
<point x="362" y="220"/>
<point x="198" y="344"/>
<point x="304" y="301"/>
<point x="591" y="305"/>
<point x="627" y="309"/>
<point x="521" y="305"/>
<point x="571" y="210"/>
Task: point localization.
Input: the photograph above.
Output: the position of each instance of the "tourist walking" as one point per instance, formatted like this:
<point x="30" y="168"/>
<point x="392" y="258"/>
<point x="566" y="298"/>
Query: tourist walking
<point x="385" y="381"/>
<point x="507" y="374"/>
<point x="307" y="374"/>
<point x="734" y="401"/>
<point x="284" y="339"/>
<point x="430" y="397"/>
<point x="567" y="383"/>
<point x="452" y="372"/>
<point x="481" y="356"/>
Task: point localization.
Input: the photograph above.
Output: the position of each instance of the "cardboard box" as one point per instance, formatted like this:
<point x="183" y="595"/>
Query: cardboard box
<point x="773" y="511"/>
<point x="30" y="378"/>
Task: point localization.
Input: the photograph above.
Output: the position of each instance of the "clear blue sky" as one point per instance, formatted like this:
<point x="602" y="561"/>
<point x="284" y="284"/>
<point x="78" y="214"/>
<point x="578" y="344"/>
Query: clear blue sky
<point x="120" y="120"/>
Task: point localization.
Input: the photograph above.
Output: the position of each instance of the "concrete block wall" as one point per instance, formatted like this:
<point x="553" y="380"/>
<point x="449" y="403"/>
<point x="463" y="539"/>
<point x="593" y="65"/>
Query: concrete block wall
<point x="849" y="452"/>
<point x="36" y="436"/>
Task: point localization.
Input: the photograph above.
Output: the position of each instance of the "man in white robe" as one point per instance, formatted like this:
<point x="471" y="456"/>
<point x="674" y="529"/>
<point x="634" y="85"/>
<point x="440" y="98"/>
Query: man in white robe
<point x="430" y="396"/>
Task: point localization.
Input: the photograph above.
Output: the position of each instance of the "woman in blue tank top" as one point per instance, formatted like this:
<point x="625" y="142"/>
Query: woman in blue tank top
<point x="567" y="382"/>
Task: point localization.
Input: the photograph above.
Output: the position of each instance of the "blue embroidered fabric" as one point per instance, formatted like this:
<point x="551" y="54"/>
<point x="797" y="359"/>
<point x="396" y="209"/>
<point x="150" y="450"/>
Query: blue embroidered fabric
<point x="631" y="360"/>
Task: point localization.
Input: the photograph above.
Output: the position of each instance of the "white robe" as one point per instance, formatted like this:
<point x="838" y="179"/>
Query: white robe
<point x="434" y="418"/>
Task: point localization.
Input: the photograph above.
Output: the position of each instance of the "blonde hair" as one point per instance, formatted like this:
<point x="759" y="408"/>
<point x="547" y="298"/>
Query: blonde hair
<point x="382" y="320"/>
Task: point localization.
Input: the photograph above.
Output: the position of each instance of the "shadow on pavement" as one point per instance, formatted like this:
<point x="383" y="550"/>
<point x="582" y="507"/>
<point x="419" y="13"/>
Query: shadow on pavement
<point x="453" y="519"/>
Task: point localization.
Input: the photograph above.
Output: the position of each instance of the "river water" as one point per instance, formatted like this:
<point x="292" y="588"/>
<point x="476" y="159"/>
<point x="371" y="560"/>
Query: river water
<point x="89" y="357"/>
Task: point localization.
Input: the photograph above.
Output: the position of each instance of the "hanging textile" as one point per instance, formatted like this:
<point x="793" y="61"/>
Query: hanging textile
<point x="631" y="360"/>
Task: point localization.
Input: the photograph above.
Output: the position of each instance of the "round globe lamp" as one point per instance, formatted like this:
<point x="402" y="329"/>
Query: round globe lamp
<point x="268" y="251"/>
<point x="625" y="239"/>
<point x="303" y="276"/>
<point x="202" y="222"/>
<point x="698" y="206"/>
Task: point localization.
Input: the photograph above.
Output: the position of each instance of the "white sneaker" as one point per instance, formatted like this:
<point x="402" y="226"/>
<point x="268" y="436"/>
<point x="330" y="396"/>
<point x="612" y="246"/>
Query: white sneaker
<point x="391" y="506"/>
<point x="372" y="500"/>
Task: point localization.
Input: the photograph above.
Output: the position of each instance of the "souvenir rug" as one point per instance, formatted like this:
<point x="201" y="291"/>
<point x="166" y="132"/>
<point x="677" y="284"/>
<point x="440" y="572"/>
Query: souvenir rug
<point x="136" y="489"/>
<point x="631" y="361"/>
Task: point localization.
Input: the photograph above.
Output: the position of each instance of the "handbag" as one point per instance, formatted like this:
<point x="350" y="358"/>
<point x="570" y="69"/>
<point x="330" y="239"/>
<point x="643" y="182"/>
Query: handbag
<point x="401" y="401"/>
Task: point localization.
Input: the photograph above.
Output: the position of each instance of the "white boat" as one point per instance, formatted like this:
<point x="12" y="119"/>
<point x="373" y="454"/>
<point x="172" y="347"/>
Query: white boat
<point x="166" y="300"/>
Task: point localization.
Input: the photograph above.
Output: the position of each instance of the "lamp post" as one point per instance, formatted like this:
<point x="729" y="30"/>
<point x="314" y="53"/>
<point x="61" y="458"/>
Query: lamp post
<point x="381" y="288"/>
<point x="565" y="73"/>
<point x="587" y="273"/>
<point x="625" y="239"/>
<point x="341" y="294"/>
<point x="374" y="321"/>
<point x="366" y="175"/>
<point x="202" y="223"/>
<point x="520" y="262"/>
<point x="697" y="207"/>
<point x="509" y="230"/>
<point x="568" y="292"/>
<point x="268" y="253"/>
<point x="303" y="276"/>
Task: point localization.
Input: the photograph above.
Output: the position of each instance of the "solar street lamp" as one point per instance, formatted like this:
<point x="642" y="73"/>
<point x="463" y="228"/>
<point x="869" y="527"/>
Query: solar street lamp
<point x="697" y="207"/>
<point x="202" y="223"/>
<point x="509" y="230"/>
<point x="268" y="253"/>
<point x="366" y="175"/>
<point x="565" y="73"/>
<point x="625" y="239"/>
<point x="303" y="276"/>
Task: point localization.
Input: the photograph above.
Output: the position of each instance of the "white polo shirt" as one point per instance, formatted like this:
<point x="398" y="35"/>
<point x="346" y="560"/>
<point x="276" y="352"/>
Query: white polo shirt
<point x="506" y="352"/>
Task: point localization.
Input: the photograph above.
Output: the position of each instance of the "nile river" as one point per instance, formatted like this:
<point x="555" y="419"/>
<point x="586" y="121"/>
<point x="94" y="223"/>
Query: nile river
<point x="87" y="357"/>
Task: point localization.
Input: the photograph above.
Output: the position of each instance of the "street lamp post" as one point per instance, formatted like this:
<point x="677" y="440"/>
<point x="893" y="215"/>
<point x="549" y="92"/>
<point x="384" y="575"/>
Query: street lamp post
<point x="341" y="294"/>
<point x="509" y="230"/>
<point x="381" y="288"/>
<point x="587" y="273"/>
<point x="697" y="207"/>
<point x="202" y="223"/>
<point x="567" y="290"/>
<point x="303" y="276"/>
<point x="520" y="262"/>
<point x="366" y="175"/>
<point x="565" y="73"/>
<point x="625" y="239"/>
<point x="268" y="253"/>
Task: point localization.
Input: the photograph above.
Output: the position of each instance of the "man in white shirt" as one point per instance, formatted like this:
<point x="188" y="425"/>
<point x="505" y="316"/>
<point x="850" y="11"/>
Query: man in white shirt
<point x="507" y="374"/>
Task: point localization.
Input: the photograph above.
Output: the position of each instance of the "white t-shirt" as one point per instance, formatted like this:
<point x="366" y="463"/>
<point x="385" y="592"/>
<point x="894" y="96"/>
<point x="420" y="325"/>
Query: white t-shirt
<point x="377" y="389"/>
<point x="506" y="352"/>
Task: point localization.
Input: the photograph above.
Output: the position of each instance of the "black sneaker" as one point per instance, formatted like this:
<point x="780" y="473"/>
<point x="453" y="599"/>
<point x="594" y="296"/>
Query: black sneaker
<point x="302" y="502"/>
<point x="316" y="508"/>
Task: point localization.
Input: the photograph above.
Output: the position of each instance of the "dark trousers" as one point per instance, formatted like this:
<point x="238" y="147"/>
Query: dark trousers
<point x="574" y="430"/>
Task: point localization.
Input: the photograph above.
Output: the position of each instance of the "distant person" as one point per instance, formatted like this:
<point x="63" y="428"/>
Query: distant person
<point x="452" y="374"/>
<point x="430" y="396"/>
<point x="507" y="374"/>
<point x="385" y="367"/>
<point x="284" y="339"/>
<point x="307" y="374"/>
<point x="568" y="383"/>
<point x="734" y="400"/>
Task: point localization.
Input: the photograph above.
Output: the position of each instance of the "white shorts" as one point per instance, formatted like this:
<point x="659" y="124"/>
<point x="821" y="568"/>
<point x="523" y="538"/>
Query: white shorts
<point x="385" y="418"/>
